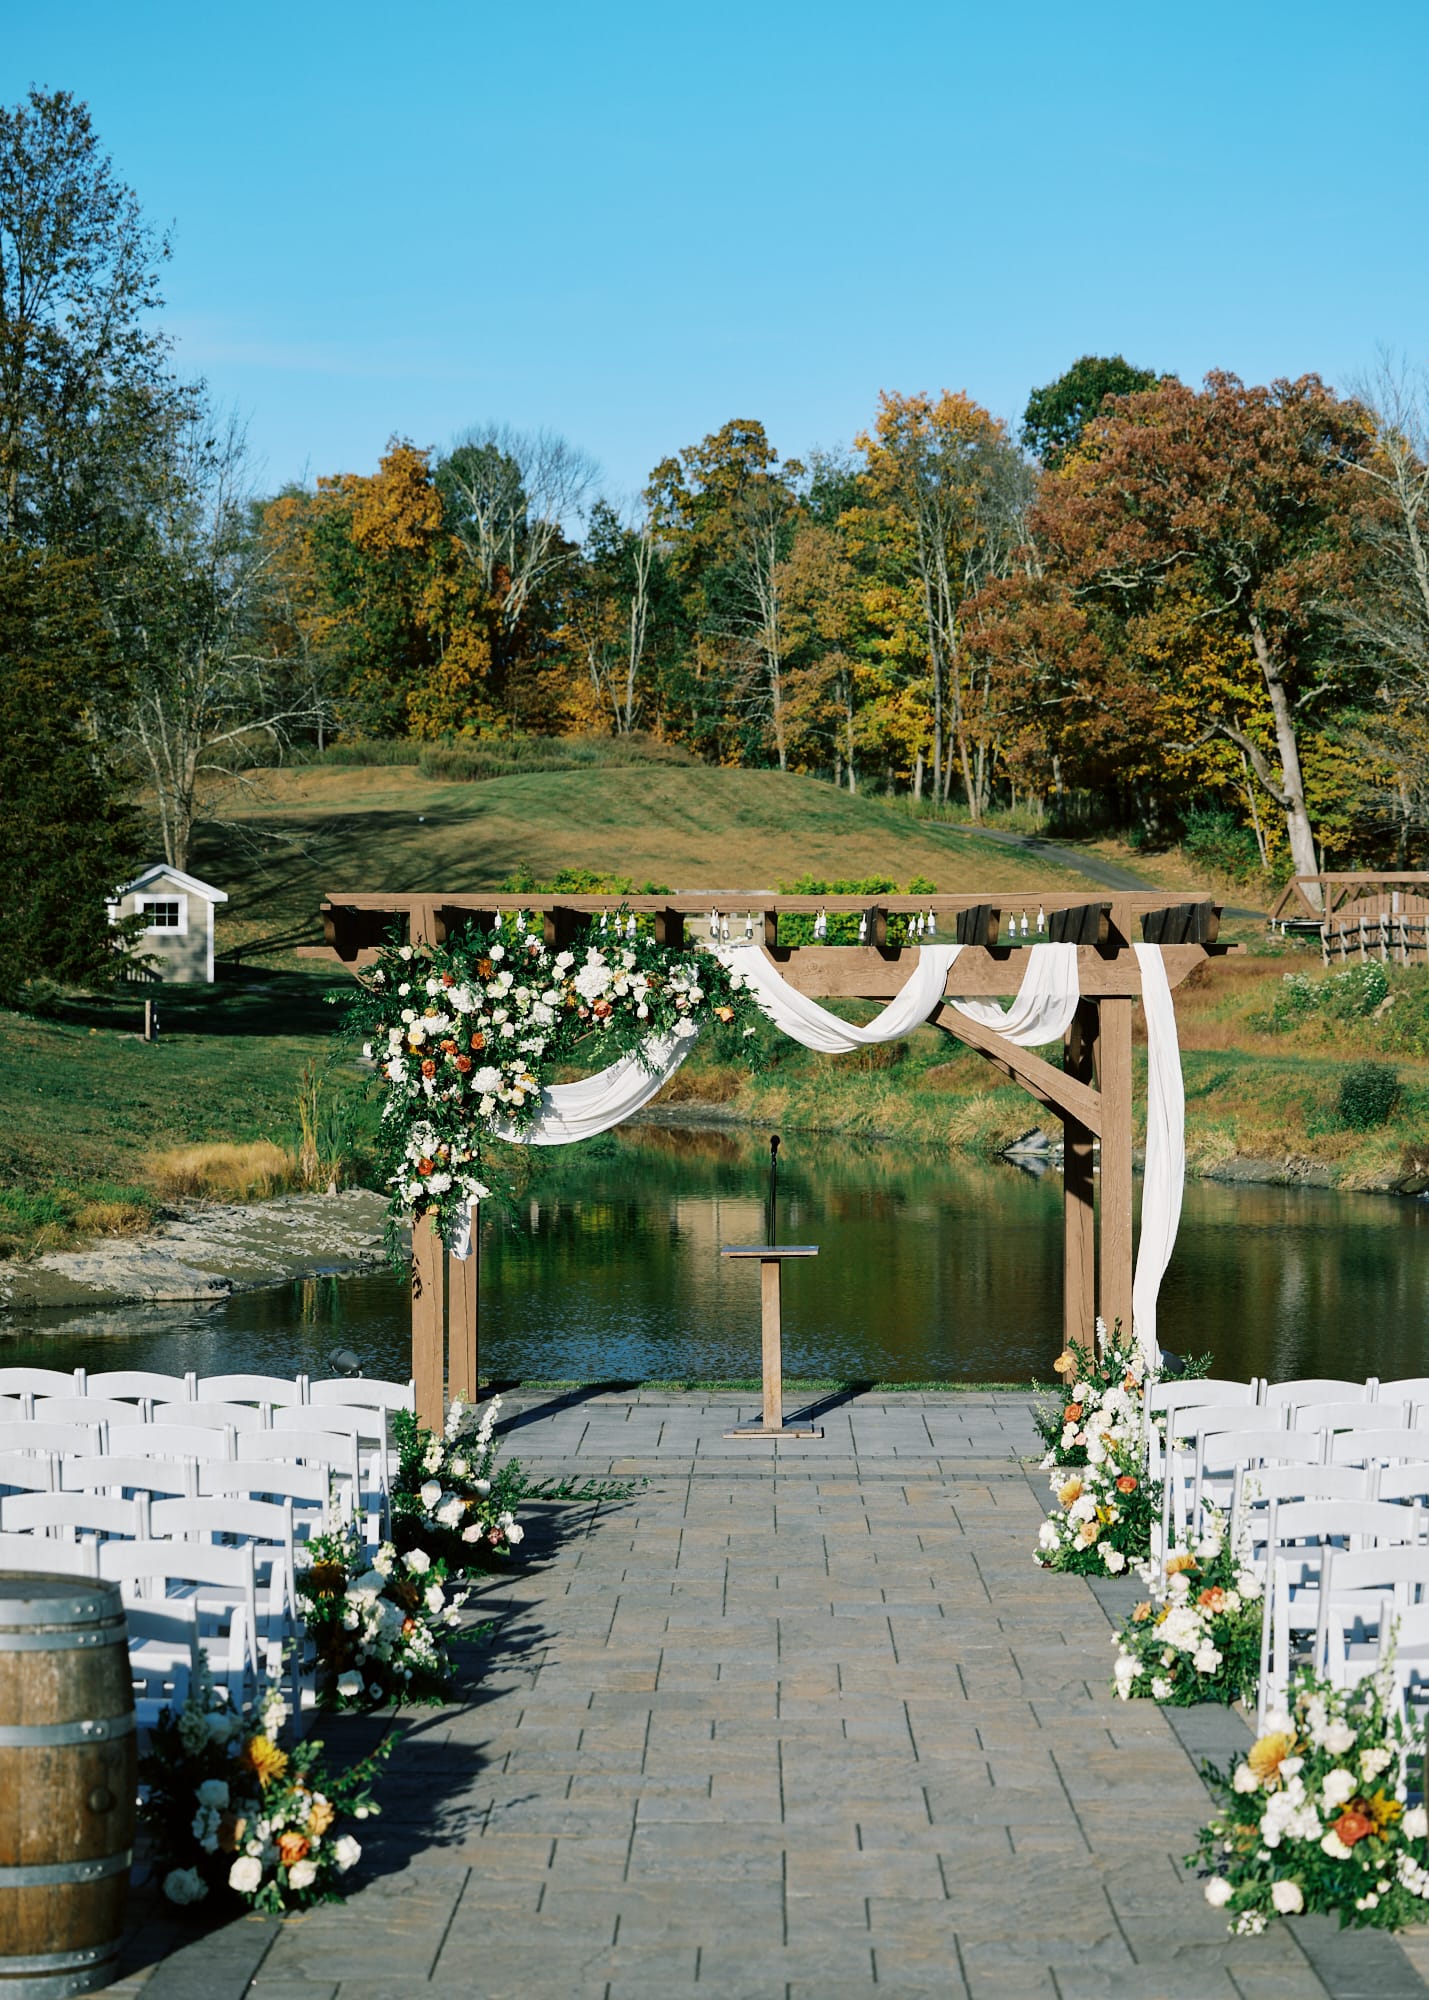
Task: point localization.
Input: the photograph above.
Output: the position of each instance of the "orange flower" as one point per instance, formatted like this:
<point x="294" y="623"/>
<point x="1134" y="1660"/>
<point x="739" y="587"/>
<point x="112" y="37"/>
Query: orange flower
<point x="320" y="1816"/>
<point x="426" y="1166"/>
<point x="429" y="1068"/>
<point x="1126" y="1483"/>
<point x="463" y="1063"/>
<point x="724" y="1013"/>
<point x="293" y="1847"/>
<point x="1353" y="1825"/>
<point x="484" y="968"/>
<point x="1175" y="1564"/>
<point x="448" y="979"/>
<point x="1072" y="1490"/>
<point x="449" y="1048"/>
<point x="1140" y="1612"/>
<point x="1072" y="1414"/>
<point x="1065" y="1364"/>
<point x="478" y="1042"/>
<point x="1212" y="1599"/>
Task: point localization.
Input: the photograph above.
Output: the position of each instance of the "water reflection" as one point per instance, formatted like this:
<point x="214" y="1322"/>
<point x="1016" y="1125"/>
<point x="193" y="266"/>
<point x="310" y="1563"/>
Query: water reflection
<point x="928" y="1269"/>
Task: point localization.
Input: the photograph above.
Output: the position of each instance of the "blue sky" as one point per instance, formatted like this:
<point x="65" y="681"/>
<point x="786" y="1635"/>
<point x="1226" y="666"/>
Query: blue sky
<point x="631" y="224"/>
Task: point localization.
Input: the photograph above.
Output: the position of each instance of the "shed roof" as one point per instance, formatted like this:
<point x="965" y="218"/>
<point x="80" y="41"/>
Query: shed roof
<point x="162" y="871"/>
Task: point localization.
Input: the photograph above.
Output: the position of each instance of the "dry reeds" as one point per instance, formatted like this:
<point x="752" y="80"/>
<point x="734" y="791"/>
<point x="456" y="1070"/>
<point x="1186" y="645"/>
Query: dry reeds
<point x="224" y="1170"/>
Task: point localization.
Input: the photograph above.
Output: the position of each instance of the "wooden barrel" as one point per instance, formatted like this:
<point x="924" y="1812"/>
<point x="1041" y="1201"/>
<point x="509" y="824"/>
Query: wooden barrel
<point x="67" y="1783"/>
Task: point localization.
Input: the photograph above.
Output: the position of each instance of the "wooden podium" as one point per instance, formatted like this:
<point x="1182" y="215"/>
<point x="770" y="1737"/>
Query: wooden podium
<point x="771" y="1258"/>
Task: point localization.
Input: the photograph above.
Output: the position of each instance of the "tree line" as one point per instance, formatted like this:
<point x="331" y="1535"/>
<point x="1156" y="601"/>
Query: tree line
<point x="1177" y="606"/>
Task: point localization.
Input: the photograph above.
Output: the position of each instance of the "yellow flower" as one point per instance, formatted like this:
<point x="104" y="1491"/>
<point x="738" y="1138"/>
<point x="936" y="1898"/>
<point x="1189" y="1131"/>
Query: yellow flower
<point x="1065" y="1364"/>
<point x="1383" y="1810"/>
<point x="1175" y="1564"/>
<point x="264" y="1759"/>
<point x="1070" y="1492"/>
<point x="1267" y="1754"/>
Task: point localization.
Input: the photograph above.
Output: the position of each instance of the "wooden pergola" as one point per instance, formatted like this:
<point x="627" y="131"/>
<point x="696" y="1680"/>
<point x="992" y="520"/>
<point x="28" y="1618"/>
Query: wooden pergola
<point x="1091" y="1092"/>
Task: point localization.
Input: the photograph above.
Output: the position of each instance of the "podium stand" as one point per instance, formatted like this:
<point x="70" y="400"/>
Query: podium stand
<point x="771" y="1260"/>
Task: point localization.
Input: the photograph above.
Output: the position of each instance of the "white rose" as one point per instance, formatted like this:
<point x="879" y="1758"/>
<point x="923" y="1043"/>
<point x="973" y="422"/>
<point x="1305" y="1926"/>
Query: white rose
<point x="1218" y="1892"/>
<point x="1415" y="1823"/>
<point x="1115" y="1561"/>
<point x="1340" y="1788"/>
<point x="515" y="1533"/>
<point x="1337" y="1738"/>
<point x="1287" y="1897"/>
<point x="1160" y="1690"/>
<point x="419" y="1562"/>
<point x="473" y="1533"/>
<point x="346" y="1853"/>
<point x="481" y="1486"/>
<point x="185" y="1885"/>
<point x="1335" y="1847"/>
<point x="246" y="1875"/>
<point x="430" y="1493"/>
<point x="349" y="1686"/>
<point x="1372" y="1762"/>
<point x="1205" y="1659"/>
<point x="302" y="1874"/>
<point x="451" y="1511"/>
<point x="385" y="1559"/>
<point x="212" y="1792"/>
<point x="434" y="1597"/>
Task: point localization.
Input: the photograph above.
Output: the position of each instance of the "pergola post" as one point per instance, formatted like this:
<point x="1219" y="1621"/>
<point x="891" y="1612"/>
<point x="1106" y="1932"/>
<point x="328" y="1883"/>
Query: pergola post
<point x="1079" y="1238"/>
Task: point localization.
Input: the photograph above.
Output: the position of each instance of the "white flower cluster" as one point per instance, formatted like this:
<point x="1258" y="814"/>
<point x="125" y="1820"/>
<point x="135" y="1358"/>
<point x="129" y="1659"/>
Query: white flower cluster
<point x="1181" y="1629"/>
<point x="393" y="1616"/>
<point x="1105" y="1424"/>
<point x="456" y="1484"/>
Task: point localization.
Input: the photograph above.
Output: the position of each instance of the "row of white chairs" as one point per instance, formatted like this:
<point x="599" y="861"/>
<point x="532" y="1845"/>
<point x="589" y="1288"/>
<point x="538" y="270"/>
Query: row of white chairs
<point x="145" y="1384"/>
<point x="1281" y="1403"/>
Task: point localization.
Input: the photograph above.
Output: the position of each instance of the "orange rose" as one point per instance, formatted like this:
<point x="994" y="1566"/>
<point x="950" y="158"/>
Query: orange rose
<point x="478" y="1042"/>
<point x="601" y="1009"/>
<point x="429" y="1068"/>
<point x="449" y="1048"/>
<point x="425" y="1166"/>
<point x="724" y="1013"/>
<point x="1352" y="1826"/>
<point x="463" y="1063"/>
<point x="293" y="1847"/>
<point x="1126" y="1483"/>
<point x="448" y="979"/>
<point x="1140" y="1613"/>
<point x="1212" y="1599"/>
<point x="1072" y="1414"/>
<point x="320" y="1816"/>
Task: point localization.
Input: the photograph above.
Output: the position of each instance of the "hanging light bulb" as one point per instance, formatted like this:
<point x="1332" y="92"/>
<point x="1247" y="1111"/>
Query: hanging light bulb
<point x="863" y="930"/>
<point x="1041" y="920"/>
<point x="521" y="922"/>
<point x="630" y="925"/>
<point x="749" y="927"/>
<point x="724" y="930"/>
<point x="932" y="923"/>
<point x="714" y="923"/>
<point x="1024" y="923"/>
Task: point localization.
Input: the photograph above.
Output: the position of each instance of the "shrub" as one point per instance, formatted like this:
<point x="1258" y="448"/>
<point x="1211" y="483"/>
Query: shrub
<point x="1350" y="995"/>
<point x="1369" y="1092"/>
<point x="1216" y="839"/>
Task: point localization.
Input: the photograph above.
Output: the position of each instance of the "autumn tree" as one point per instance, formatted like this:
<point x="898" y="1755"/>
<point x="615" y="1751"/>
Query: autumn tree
<point x="1057" y="414"/>
<point x="1213" y="525"/>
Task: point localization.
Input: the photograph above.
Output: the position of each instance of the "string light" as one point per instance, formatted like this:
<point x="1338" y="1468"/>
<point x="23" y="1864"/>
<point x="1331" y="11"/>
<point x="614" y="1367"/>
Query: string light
<point x="749" y="927"/>
<point x="604" y="919"/>
<point x="724" y="930"/>
<point x="863" y="930"/>
<point x="630" y="925"/>
<point x="932" y="923"/>
<point x="1041" y="920"/>
<point x="714" y="924"/>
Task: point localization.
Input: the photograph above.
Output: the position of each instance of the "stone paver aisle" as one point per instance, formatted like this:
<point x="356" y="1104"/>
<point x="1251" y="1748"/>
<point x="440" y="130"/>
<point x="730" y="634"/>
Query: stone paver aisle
<point x="793" y="1723"/>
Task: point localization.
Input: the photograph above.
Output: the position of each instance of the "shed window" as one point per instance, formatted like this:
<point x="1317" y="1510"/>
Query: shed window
<point x="159" y="916"/>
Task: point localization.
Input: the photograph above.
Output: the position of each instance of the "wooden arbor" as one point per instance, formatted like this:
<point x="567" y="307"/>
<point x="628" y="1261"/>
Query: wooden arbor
<point x="1091" y="1092"/>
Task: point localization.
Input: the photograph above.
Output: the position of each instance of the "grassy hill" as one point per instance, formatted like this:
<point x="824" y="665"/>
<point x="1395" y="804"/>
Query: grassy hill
<point x="282" y="839"/>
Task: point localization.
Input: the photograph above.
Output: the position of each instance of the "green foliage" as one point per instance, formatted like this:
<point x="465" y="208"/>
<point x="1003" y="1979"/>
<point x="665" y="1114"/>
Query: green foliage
<point x="843" y="924"/>
<point x="469" y="1521"/>
<point x="1198" y="1639"/>
<point x="1057" y="414"/>
<point x="1368" y="1094"/>
<point x="514" y="756"/>
<point x="1215" y="838"/>
<point x="1352" y="994"/>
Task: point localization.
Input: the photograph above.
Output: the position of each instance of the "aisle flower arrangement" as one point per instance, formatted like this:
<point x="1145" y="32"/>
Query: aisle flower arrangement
<point x="450" y="1498"/>
<point x="1198" y="1638"/>
<point x="230" y="1812"/>
<point x="380" y="1631"/>
<point x="1314" y="1819"/>
<point x="466" y="1035"/>
<point x="1107" y="1507"/>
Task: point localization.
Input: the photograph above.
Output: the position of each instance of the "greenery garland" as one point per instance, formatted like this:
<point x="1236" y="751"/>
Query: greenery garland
<point x="467" y="1035"/>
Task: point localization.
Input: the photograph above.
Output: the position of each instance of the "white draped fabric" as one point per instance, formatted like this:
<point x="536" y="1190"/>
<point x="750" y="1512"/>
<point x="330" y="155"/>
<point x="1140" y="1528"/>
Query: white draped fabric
<point x="1165" y="1148"/>
<point x="1044" y="1004"/>
<point x="805" y="1021"/>
<point x="571" y="1111"/>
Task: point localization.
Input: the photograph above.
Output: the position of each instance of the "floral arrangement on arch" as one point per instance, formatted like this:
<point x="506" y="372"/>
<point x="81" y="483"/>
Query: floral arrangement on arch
<point x="1106" y="1505"/>
<point x="229" y="1811"/>
<point x="380" y="1631"/>
<point x="467" y="1034"/>
<point x="450" y="1498"/>
<point x="1198" y="1638"/>
<point x="1315" y="1817"/>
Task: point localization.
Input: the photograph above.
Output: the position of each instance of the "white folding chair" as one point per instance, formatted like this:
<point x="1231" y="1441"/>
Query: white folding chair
<point x="1363" y="1591"/>
<point x="1405" y="1389"/>
<point x="265" y="1527"/>
<point x="29" y="1382"/>
<point x="30" y="1435"/>
<point x="1220" y="1455"/>
<point x="28" y="1471"/>
<point x="1162" y="1399"/>
<point x="62" y="1514"/>
<point x="1376" y="1447"/>
<point x="363" y="1392"/>
<point x="141" y="1385"/>
<point x="367" y="1428"/>
<point x="218" y="1582"/>
<point x="1320" y="1389"/>
<point x="1356" y="1417"/>
<point x="119" y="1475"/>
<point x="39" y="1553"/>
<point x="1187" y="1429"/>
<point x="164" y="1647"/>
<point x="1258" y="1486"/>
<point x="82" y="1410"/>
<point x="164" y="1440"/>
<point x="262" y="1389"/>
<point x="239" y="1417"/>
<point x="1297" y="1534"/>
<point x="310" y="1487"/>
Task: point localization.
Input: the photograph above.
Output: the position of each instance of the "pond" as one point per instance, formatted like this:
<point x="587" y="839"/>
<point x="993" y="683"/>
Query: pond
<point x="929" y="1269"/>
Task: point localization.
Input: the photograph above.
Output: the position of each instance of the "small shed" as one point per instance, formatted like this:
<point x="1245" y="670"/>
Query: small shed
<point x="178" y="930"/>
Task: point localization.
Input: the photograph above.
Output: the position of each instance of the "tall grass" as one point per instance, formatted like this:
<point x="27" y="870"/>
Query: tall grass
<point x="494" y="756"/>
<point x="225" y="1170"/>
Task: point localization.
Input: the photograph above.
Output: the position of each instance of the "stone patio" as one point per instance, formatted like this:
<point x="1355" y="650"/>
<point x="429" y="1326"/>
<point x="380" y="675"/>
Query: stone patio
<point x="787" y="1722"/>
